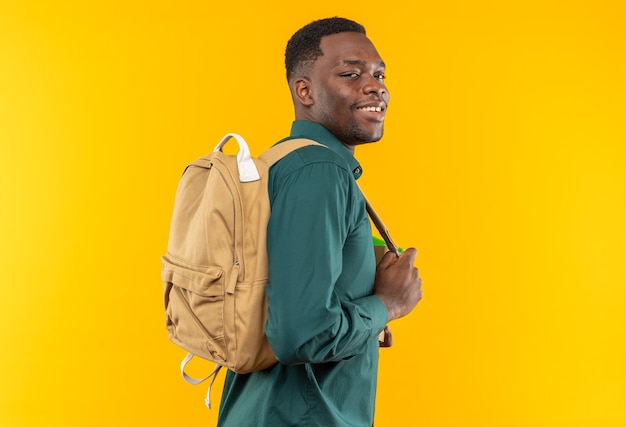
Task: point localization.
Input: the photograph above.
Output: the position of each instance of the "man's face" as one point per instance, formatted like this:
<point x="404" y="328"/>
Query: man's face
<point x="349" y="93"/>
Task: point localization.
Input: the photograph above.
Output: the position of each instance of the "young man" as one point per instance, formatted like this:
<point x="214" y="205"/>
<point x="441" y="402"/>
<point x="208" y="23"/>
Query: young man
<point x="327" y="299"/>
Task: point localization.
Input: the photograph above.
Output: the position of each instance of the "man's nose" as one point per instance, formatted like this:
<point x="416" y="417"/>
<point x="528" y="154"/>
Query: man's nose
<point x="376" y="86"/>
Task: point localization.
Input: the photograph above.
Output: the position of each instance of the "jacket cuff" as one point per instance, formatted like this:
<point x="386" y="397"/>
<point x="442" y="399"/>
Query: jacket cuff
<point x="377" y="312"/>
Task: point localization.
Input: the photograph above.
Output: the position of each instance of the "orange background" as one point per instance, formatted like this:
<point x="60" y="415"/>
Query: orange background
<point x="503" y="162"/>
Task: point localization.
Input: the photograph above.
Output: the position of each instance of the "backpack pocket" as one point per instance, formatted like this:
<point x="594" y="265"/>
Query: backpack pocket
<point x="194" y="305"/>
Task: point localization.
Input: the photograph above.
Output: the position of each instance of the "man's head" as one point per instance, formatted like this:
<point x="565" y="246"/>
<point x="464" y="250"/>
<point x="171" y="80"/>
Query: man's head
<point x="336" y="79"/>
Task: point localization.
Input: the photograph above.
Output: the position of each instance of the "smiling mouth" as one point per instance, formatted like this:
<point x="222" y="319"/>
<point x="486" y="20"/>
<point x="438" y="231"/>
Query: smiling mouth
<point x="373" y="109"/>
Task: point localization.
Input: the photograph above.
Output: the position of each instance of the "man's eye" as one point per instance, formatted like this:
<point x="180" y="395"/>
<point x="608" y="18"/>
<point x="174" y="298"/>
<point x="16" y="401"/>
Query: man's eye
<point x="351" y="75"/>
<point x="380" y="76"/>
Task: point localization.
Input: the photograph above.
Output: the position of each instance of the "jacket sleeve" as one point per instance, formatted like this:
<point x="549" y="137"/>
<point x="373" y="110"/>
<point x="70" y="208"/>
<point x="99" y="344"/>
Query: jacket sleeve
<point x="314" y="209"/>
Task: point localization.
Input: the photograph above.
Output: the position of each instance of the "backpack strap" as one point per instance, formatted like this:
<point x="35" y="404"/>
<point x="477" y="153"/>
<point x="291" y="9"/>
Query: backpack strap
<point x="278" y="151"/>
<point x="380" y="225"/>
<point x="196" y="381"/>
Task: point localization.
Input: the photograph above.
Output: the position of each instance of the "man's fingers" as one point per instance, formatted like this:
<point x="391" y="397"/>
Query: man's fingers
<point x="388" y="259"/>
<point x="410" y="253"/>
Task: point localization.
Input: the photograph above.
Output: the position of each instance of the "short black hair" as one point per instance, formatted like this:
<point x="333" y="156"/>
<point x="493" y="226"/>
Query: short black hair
<point x="304" y="45"/>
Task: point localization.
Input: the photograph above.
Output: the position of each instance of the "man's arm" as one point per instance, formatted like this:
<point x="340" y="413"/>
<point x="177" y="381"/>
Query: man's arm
<point x="308" y="320"/>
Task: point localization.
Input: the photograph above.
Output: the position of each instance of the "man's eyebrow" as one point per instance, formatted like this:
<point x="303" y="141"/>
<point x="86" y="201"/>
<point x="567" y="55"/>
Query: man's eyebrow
<point x="356" y="62"/>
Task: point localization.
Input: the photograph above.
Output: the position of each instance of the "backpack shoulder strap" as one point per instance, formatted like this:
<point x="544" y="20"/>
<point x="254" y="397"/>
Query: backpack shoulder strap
<point x="380" y="225"/>
<point x="278" y="151"/>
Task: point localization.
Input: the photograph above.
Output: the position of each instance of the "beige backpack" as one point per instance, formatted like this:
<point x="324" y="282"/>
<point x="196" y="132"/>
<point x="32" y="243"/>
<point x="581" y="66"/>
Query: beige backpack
<point x="215" y="271"/>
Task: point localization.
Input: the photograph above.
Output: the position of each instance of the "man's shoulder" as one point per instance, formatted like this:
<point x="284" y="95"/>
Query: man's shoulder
<point x="309" y="155"/>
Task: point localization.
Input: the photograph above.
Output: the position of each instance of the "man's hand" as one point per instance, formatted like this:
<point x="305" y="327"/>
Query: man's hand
<point x="398" y="284"/>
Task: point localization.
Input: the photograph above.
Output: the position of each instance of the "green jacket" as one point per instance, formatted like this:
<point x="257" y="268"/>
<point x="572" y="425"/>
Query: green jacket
<point x="323" y="321"/>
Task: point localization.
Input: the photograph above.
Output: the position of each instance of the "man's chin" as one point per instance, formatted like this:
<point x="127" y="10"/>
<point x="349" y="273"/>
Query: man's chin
<point x="374" y="137"/>
<point x="359" y="135"/>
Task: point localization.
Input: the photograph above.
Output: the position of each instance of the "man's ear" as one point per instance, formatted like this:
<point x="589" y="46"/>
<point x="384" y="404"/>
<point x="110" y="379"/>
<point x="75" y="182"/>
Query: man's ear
<point x="303" y="91"/>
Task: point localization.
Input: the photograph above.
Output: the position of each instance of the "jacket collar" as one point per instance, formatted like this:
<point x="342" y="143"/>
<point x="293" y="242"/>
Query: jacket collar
<point x="317" y="132"/>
